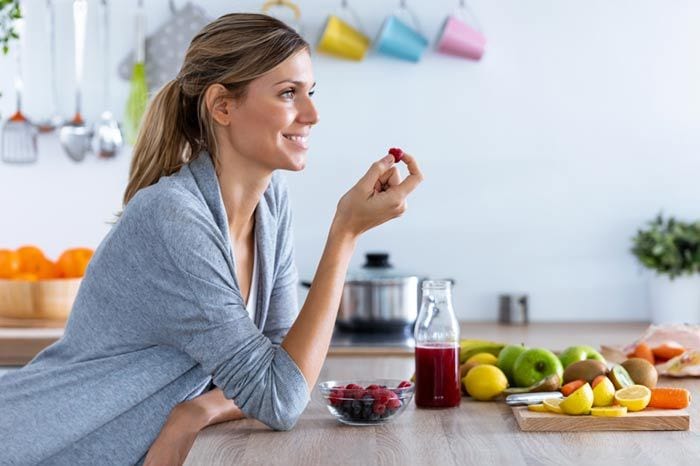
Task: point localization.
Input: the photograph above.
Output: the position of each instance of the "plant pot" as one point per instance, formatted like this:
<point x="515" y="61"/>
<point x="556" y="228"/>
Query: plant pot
<point x="675" y="301"/>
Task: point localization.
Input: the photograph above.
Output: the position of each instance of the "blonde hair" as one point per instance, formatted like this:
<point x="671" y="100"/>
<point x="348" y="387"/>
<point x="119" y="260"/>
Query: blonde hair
<point x="232" y="51"/>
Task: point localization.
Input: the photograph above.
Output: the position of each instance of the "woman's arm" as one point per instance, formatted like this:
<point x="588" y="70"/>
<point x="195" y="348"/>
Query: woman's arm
<point x="184" y="423"/>
<point x="378" y="197"/>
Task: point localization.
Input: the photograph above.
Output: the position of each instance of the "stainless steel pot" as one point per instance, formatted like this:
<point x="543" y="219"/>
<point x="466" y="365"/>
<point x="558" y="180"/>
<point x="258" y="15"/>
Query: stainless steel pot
<point x="378" y="297"/>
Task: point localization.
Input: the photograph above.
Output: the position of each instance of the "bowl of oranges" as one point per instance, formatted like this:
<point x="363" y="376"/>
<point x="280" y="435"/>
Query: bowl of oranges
<point x="32" y="286"/>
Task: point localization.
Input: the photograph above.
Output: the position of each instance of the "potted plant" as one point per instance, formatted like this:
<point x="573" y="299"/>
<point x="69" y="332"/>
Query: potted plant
<point x="671" y="249"/>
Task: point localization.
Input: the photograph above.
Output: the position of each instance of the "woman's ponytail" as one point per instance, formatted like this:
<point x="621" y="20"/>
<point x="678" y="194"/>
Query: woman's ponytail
<point x="161" y="143"/>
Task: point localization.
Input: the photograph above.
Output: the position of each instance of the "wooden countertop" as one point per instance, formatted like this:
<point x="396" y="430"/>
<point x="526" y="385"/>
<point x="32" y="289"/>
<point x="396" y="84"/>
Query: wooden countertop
<point x="480" y="433"/>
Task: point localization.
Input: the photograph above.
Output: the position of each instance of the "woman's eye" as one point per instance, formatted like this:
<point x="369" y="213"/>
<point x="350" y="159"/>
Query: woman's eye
<point x="311" y="93"/>
<point x="288" y="94"/>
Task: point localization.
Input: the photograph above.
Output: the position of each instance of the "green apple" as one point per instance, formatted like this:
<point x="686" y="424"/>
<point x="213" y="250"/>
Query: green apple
<point x="573" y="354"/>
<point x="534" y="365"/>
<point x="507" y="357"/>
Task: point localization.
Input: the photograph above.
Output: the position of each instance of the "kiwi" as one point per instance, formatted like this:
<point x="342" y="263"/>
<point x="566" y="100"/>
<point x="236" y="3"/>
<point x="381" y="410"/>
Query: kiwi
<point x="641" y="371"/>
<point x="587" y="370"/>
<point x="620" y="377"/>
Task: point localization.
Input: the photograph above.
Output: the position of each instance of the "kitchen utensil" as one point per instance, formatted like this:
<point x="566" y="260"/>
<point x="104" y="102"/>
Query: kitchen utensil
<point x="378" y="297"/>
<point x="108" y="136"/>
<point x="400" y="36"/>
<point x="360" y="407"/>
<point x="655" y="419"/>
<point x="522" y="399"/>
<point x="460" y="34"/>
<point x="166" y="47"/>
<point x="138" y="91"/>
<point x="75" y="135"/>
<point x="18" y="133"/>
<point x="272" y="8"/>
<point x="54" y="120"/>
<point x="513" y="309"/>
<point x="343" y="35"/>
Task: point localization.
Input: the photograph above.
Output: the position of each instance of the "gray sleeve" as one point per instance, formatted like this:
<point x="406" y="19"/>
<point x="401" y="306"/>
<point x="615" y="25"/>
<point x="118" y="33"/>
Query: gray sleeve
<point x="204" y="315"/>
<point x="284" y="301"/>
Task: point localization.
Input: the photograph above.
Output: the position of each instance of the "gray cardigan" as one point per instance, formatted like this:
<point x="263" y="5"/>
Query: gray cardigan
<point x="158" y="316"/>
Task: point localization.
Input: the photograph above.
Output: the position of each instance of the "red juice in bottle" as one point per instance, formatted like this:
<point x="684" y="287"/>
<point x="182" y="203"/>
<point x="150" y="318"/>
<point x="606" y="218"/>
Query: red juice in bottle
<point x="437" y="376"/>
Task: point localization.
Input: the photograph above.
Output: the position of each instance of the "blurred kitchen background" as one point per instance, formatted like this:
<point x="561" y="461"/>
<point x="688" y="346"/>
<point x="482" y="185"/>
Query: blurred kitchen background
<point x="579" y="124"/>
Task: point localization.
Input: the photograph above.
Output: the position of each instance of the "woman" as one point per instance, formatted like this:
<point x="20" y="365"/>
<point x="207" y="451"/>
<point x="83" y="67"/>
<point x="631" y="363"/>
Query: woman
<point x="195" y="284"/>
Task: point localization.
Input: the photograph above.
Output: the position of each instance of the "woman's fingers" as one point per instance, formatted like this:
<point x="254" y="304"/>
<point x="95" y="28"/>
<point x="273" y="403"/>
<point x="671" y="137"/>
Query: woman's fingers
<point x="390" y="178"/>
<point x="414" y="178"/>
<point x="369" y="180"/>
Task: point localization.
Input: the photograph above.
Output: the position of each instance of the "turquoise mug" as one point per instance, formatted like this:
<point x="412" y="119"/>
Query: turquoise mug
<point x="400" y="40"/>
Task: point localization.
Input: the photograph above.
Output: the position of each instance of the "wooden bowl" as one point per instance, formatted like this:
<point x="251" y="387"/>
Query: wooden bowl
<point x="42" y="299"/>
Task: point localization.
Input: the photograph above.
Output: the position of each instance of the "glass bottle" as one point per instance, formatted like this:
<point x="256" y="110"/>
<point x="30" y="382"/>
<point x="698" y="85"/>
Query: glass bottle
<point x="437" y="348"/>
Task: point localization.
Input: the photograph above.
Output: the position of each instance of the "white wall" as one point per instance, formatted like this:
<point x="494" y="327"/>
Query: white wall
<point x="580" y="123"/>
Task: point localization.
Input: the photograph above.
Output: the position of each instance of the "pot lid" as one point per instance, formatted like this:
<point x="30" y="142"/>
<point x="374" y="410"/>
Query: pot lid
<point x="377" y="268"/>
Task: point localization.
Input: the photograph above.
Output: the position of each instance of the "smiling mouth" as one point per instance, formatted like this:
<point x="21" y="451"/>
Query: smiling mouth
<point x="301" y="141"/>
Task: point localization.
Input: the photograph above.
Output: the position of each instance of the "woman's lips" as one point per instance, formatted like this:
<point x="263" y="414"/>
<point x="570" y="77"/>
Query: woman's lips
<point x="298" y="140"/>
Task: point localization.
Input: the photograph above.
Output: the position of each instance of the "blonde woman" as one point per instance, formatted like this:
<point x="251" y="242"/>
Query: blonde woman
<point x="188" y="314"/>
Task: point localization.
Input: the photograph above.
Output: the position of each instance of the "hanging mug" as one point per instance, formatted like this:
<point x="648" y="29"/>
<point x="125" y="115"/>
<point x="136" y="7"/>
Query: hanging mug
<point x="272" y="8"/>
<point x="457" y="37"/>
<point x="400" y="36"/>
<point x="342" y="36"/>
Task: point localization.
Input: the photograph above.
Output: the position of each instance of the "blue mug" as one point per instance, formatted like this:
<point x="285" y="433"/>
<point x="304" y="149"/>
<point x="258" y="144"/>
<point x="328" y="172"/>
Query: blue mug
<point x="399" y="40"/>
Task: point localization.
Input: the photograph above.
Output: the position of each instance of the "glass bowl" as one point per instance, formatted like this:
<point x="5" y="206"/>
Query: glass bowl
<point x="366" y="402"/>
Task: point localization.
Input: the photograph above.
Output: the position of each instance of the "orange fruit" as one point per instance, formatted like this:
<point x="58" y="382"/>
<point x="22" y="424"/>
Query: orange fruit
<point x="9" y="263"/>
<point x="73" y="262"/>
<point x="48" y="270"/>
<point x="31" y="259"/>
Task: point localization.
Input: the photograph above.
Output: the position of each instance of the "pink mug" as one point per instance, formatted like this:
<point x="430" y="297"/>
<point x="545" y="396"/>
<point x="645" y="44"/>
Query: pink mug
<point x="459" y="38"/>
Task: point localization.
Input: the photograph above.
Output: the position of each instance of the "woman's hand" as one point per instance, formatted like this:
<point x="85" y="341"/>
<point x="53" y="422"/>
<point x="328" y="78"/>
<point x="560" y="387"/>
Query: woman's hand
<point x="378" y="196"/>
<point x="176" y="437"/>
<point x="184" y="423"/>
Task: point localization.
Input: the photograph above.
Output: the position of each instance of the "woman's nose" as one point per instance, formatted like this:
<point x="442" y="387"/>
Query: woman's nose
<point x="308" y="113"/>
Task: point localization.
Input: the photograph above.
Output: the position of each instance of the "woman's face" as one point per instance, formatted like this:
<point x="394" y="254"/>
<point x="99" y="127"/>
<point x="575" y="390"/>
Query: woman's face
<point x="271" y="124"/>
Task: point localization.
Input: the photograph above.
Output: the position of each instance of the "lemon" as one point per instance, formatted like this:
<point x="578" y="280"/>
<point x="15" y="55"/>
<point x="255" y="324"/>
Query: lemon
<point x="579" y="402"/>
<point x="634" y="397"/>
<point x="603" y="393"/>
<point x="483" y="358"/>
<point x="538" y="408"/>
<point x="552" y="404"/>
<point x="613" y="411"/>
<point x="485" y="382"/>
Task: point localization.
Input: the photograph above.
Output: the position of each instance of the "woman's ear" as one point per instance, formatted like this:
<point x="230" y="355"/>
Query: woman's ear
<point x="219" y="104"/>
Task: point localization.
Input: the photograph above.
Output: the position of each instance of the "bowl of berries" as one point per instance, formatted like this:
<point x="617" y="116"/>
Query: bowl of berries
<point x="366" y="402"/>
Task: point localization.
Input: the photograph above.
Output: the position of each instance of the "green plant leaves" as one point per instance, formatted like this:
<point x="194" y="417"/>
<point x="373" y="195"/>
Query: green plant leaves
<point x="670" y="247"/>
<point x="9" y="12"/>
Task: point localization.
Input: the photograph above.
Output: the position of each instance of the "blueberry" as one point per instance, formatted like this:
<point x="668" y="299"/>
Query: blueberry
<point x="374" y="417"/>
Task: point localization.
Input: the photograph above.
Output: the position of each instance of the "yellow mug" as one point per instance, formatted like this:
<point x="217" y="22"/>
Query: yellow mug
<point x="342" y="40"/>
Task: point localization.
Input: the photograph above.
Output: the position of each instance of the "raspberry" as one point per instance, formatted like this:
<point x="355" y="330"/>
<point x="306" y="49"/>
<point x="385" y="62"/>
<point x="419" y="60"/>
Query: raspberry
<point x="404" y="384"/>
<point x="374" y="386"/>
<point x="397" y="153"/>
<point x="378" y="408"/>
<point x="336" y="396"/>
<point x="353" y="385"/>
<point x="394" y="404"/>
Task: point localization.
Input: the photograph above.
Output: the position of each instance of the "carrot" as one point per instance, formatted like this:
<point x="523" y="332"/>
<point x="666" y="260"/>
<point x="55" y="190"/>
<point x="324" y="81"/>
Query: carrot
<point x="643" y="351"/>
<point x="669" y="398"/>
<point x="668" y="350"/>
<point x="571" y="387"/>
<point x="597" y="380"/>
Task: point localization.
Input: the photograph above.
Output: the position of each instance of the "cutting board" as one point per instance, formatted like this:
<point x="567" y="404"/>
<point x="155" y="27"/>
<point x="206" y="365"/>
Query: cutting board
<point x="649" y="419"/>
